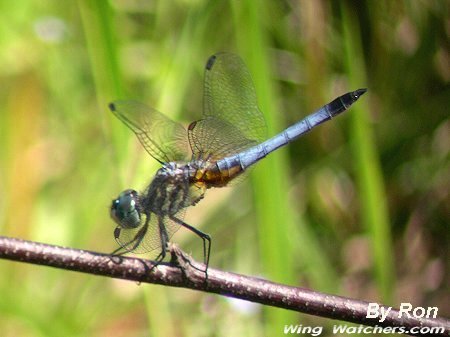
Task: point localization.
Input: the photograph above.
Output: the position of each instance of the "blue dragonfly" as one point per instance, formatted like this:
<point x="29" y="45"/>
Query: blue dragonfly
<point x="228" y="140"/>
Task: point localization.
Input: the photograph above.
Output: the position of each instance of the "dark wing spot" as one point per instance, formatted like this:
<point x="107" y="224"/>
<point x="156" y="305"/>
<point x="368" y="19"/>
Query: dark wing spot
<point x="192" y="126"/>
<point x="210" y="62"/>
<point x="117" y="232"/>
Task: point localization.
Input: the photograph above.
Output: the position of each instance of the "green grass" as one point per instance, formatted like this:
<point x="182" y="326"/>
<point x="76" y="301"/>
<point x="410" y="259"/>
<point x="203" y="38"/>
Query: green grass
<point x="373" y="202"/>
<point x="357" y="207"/>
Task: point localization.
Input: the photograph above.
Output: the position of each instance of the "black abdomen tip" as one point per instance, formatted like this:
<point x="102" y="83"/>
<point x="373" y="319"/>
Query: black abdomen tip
<point x="358" y="93"/>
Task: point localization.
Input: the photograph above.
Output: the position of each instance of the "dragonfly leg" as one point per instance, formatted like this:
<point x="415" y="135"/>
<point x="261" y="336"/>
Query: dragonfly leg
<point x="164" y="237"/>
<point x="205" y="238"/>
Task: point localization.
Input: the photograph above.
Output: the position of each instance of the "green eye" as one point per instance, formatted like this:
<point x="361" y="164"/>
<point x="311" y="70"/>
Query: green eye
<point x="125" y="210"/>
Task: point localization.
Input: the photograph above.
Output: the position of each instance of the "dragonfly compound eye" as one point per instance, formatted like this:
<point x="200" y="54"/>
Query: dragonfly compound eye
<point x="125" y="210"/>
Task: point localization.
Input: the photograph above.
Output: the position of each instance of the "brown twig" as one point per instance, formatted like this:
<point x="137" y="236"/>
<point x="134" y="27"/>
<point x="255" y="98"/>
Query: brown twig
<point x="186" y="273"/>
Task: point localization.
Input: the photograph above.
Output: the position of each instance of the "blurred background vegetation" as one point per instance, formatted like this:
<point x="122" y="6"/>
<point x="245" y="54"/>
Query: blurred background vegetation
<point x="359" y="207"/>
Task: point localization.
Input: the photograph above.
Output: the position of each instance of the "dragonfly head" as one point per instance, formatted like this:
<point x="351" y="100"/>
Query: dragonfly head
<point x="125" y="209"/>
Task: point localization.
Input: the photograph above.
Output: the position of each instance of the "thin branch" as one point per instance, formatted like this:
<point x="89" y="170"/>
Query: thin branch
<point x="185" y="273"/>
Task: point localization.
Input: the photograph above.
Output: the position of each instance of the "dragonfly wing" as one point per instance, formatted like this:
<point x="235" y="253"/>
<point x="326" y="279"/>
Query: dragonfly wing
<point x="146" y="237"/>
<point x="141" y="239"/>
<point x="230" y="112"/>
<point x="214" y="138"/>
<point x="164" y="139"/>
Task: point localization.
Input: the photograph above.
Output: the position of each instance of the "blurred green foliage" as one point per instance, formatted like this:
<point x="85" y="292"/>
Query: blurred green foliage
<point x="359" y="207"/>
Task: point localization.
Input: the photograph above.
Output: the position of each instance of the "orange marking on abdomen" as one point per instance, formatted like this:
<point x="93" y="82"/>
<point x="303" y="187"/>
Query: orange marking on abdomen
<point x="213" y="177"/>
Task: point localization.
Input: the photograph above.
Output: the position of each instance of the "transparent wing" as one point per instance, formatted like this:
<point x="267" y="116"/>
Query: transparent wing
<point x="214" y="138"/>
<point x="164" y="139"/>
<point x="231" y="120"/>
<point x="146" y="237"/>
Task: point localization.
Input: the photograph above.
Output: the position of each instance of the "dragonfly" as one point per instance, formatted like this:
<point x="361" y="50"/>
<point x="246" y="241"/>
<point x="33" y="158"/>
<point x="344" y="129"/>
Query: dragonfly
<point x="213" y="151"/>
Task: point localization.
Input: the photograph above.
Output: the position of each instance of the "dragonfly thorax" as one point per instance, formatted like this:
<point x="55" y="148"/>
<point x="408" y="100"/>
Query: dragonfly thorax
<point x="173" y="170"/>
<point x="173" y="189"/>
